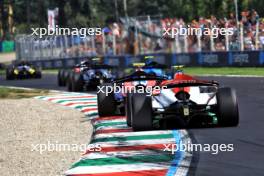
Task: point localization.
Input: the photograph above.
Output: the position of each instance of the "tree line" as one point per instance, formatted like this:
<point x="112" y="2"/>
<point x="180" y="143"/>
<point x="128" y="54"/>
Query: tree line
<point x="18" y="16"/>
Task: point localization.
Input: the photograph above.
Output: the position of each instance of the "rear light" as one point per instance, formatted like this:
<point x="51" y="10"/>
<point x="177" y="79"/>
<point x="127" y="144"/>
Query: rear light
<point x="77" y="70"/>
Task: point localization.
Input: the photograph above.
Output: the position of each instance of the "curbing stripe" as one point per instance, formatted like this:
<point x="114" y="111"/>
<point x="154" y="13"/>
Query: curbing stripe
<point x="110" y="149"/>
<point x="120" y="160"/>
<point x="107" y="131"/>
<point x="124" y="152"/>
<point x="126" y="134"/>
<point x="136" y="142"/>
<point x="139" y="167"/>
<point x="134" y="137"/>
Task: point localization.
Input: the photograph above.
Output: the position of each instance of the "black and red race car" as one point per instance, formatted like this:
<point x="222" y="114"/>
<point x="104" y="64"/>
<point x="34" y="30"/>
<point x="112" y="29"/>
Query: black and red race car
<point x="179" y="103"/>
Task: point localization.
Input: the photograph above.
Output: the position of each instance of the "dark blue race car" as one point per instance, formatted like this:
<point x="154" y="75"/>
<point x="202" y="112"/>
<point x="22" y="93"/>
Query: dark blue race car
<point x="86" y="76"/>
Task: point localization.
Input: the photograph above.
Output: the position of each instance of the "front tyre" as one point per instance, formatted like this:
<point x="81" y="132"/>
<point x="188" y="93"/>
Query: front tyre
<point x="9" y="74"/>
<point x="128" y="109"/>
<point x="65" y="74"/>
<point x="106" y="102"/>
<point x="77" y="82"/>
<point x="68" y="81"/>
<point x="227" y="107"/>
<point x="59" y="78"/>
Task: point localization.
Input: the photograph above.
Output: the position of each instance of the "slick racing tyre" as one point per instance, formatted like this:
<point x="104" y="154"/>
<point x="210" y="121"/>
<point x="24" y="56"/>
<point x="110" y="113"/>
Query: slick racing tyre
<point x="9" y="74"/>
<point x="59" y="78"/>
<point x="38" y="74"/>
<point x="141" y="112"/>
<point x="69" y="82"/>
<point x="65" y="76"/>
<point x="227" y="107"/>
<point x="77" y="82"/>
<point x="128" y="109"/>
<point x="106" y="102"/>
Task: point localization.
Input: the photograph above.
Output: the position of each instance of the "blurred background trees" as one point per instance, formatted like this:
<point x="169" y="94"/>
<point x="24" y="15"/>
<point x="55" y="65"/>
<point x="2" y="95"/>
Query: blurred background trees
<point x="18" y="16"/>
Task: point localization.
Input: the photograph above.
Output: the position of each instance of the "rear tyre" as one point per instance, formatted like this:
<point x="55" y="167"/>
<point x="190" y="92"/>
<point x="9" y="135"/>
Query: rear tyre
<point x="77" y="82"/>
<point x="59" y="78"/>
<point x="141" y="112"/>
<point x="128" y="109"/>
<point x="227" y="107"/>
<point x="65" y="76"/>
<point x="69" y="82"/>
<point x="9" y="75"/>
<point x="38" y="74"/>
<point x="106" y="102"/>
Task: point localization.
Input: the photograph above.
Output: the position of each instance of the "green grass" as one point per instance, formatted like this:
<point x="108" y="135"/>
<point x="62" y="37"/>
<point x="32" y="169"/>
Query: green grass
<point x="256" y="71"/>
<point x="50" y="71"/>
<point x="12" y="93"/>
<point x="2" y="72"/>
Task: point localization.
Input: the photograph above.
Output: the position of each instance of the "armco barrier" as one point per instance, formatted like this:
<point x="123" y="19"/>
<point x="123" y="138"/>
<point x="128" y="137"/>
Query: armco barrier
<point x="210" y="59"/>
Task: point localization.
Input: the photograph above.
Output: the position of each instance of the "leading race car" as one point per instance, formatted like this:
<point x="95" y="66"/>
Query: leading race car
<point x="151" y="66"/>
<point x="22" y="70"/>
<point x="145" y="74"/>
<point x="86" y="75"/>
<point x="179" y="103"/>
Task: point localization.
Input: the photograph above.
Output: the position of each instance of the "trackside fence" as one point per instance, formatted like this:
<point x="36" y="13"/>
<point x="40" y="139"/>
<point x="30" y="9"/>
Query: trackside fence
<point x="210" y="59"/>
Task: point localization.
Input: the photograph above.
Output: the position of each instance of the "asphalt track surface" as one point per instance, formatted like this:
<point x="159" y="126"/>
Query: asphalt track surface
<point x="248" y="138"/>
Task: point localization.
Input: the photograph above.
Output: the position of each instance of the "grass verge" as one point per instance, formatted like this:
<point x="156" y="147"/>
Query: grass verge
<point x="13" y="93"/>
<point x="50" y="71"/>
<point x="254" y="71"/>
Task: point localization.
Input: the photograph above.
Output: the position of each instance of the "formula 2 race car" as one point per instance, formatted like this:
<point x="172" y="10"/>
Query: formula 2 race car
<point x="22" y="70"/>
<point x="181" y="102"/>
<point x="86" y="75"/>
<point x="144" y="74"/>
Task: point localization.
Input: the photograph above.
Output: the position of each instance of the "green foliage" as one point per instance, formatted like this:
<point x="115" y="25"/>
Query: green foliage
<point x="79" y="13"/>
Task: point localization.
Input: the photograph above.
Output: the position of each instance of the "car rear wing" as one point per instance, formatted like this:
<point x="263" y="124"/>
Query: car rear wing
<point x="140" y="76"/>
<point x="191" y="84"/>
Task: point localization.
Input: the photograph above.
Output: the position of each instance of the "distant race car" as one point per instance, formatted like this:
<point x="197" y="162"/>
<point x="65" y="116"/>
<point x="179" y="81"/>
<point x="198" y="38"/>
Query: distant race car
<point x="22" y="70"/>
<point x="152" y="67"/>
<point x="179" y="103"/>
<point x="86" y="75"/>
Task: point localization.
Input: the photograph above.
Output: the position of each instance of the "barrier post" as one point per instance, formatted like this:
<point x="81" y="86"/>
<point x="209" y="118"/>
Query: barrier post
<point x="66" y="45"/>
<point x="199" y="41"/>
<point x="185" y="44"/>
<point x="114" y="44"/>
<point x="149" y="24"/>
<point x="211" y="39"/>
<point x="103" y="42"/>
<point x="93" y="45"/>
<point x="257" y="36"/>
<point x="241" y="37"/>
<point x="177" y="43"/>
<point x="61" y="50"/>
<point x="226" y="36"/>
